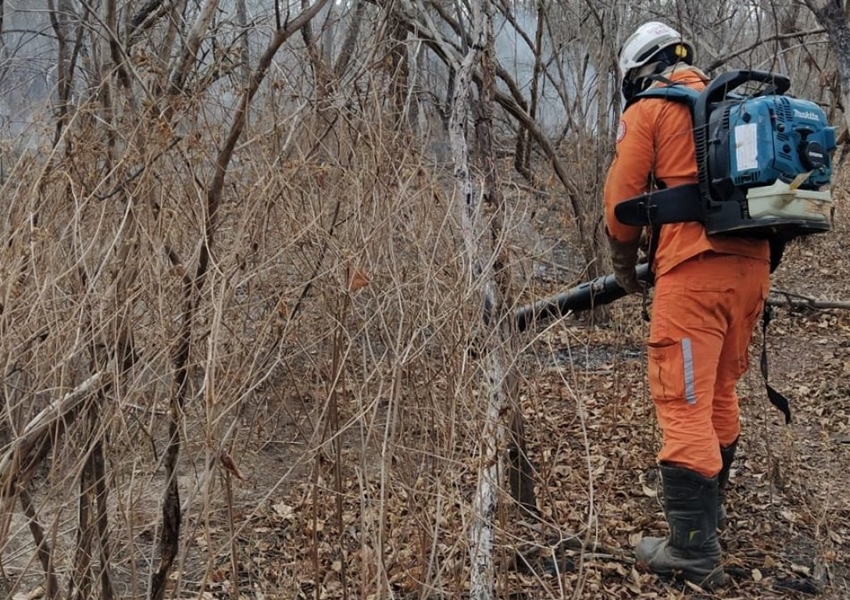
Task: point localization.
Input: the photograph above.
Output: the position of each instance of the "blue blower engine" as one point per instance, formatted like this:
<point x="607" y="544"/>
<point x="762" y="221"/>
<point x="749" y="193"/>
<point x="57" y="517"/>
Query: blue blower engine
<point x="763" y="161"/>
<point x="769" y="154"/>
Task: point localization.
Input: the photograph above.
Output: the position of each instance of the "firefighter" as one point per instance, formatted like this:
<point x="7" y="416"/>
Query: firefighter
<point x="709" y="293"/>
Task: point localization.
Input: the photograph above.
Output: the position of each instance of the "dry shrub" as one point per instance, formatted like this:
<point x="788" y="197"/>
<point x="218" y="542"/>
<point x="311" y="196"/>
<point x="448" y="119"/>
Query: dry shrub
<point x="332" y="359"/>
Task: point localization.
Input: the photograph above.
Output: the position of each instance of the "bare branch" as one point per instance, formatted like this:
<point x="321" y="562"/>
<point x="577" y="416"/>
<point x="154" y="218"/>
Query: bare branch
<point x="226" y="153"/>
<point x="773" y="38"/>
<point x="145" y="16"/>
<point x="171" y="512"/>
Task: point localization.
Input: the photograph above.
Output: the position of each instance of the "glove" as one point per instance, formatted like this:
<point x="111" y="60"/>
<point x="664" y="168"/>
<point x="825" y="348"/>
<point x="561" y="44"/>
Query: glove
<point x="624" y="258"/>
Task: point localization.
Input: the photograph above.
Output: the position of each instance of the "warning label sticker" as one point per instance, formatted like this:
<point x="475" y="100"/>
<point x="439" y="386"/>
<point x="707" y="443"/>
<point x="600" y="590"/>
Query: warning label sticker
<point x="746" y="147"/>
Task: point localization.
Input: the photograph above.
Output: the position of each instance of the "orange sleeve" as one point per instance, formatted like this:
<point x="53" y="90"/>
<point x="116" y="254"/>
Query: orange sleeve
<point x="629" y="173"/>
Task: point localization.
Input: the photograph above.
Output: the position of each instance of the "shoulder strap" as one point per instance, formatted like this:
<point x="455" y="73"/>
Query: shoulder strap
<point x="674" y="93"/>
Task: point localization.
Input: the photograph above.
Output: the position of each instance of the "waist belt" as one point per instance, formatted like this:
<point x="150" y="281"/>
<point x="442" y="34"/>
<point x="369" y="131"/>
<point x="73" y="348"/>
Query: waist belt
<point x="671" y="205"/>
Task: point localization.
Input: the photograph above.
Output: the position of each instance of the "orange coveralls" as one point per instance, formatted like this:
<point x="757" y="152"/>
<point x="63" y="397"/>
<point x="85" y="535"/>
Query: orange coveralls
<point x="709" y="291"/>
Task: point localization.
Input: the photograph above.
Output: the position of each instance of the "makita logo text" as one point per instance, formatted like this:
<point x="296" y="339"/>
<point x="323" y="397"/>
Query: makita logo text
<point x="806" y="114"/>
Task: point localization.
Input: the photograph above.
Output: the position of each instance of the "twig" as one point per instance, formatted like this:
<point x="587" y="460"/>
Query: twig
<point x="121" y="185"/>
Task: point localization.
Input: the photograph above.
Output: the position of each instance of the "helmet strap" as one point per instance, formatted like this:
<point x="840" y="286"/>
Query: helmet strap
<point x="632" y="87"/>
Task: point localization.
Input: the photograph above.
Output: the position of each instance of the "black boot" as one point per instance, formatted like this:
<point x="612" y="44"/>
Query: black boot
<point x="691" y="550"/>
<point x="728" y="456"/>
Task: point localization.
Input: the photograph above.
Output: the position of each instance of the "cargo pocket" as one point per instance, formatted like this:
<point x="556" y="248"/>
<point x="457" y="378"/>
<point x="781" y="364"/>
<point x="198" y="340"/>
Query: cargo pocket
<point x="750" y="324"/>
<point x="671" y="370"/>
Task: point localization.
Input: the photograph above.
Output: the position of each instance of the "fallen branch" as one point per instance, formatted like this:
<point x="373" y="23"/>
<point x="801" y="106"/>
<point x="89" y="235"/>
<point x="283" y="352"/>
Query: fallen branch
<point x="61" y="411"/>
<point x="795" y="300"/>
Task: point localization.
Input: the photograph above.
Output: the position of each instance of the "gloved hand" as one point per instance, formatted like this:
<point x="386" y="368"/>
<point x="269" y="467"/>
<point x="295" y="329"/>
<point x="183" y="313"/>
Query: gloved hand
<point x="624" y="258"/>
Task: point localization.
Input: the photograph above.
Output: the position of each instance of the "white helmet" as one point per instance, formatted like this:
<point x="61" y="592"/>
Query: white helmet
<point x="649" y="39"/>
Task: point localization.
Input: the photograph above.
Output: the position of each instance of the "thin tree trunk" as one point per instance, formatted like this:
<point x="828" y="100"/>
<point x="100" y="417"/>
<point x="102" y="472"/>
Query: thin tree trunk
<point x="101" y="490"/>
<point x="492" y="281"/>
<point x="830" y="15"/>
<point x="169" y="535"/>
<point x="347" y="50"/>
<point x="520" y="473"/>
<point x="43" y="549"/>
<point x="115" y="50"/>
<point x="62" y="84"/>
<point x="171" y="516"/>
<point x="181" y="69"/>
<point x="523" y="158"/>
<point x="173" y="20"/>
<point x="321" y="75"/>
<point x="80" y="584"/>
<point x="399" y="66"/>
<point x="245" y="45"/>
<point x="519" y="467"/>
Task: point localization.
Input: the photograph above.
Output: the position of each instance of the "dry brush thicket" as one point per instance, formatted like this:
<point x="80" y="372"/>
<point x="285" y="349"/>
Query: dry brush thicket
<point x="261" y="371"/>
<point x="282" y="338"/>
